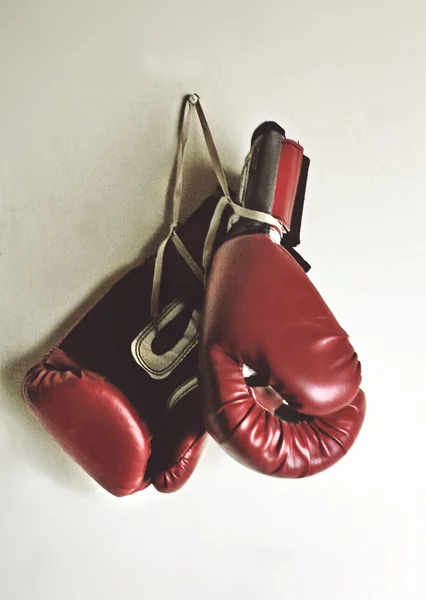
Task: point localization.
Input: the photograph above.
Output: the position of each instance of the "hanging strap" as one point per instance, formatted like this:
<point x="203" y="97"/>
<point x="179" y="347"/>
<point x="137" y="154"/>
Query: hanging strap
<point x="192" y="101"/>
<point x="214" y="156"/>
<point x="240" y="211"/>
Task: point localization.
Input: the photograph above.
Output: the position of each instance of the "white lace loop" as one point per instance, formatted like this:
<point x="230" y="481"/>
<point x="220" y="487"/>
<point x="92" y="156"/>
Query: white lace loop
<point x="156" y="280"/>
<point x="214" y="156"/>
<point x="192" y="102"/>
<point x="223" y="203"/>
<point x="240" y="211"/>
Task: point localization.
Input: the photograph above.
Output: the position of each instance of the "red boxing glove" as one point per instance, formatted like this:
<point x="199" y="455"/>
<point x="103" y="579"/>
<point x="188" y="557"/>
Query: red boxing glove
<point x="121" y="400"/>
<point x="303" y="409"/>
<point x="119" y="393"/>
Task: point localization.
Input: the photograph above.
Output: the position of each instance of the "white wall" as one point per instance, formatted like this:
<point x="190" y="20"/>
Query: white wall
<point x="90" y="93"/>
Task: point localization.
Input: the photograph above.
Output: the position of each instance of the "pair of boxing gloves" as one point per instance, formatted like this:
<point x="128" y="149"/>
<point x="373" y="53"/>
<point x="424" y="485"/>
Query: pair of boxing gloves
<point x="249" y="353"/>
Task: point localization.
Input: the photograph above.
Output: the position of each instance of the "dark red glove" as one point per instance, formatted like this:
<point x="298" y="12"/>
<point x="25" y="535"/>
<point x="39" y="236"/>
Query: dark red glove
<point x="119" y="399"/>
<point x="303" y="409"/>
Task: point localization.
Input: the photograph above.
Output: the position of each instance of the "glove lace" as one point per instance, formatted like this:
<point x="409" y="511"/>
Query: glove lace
<point x="191" y="104"/>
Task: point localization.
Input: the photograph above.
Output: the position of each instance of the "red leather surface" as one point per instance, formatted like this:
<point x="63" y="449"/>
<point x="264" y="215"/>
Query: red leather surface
<point x="186" y="460"/>
<point x="177" y="450"/>
<point x="96" y="425"/>
<point x="92" y="420"/>
<point x="263" y="311"/>
<point x="288" y="174"/>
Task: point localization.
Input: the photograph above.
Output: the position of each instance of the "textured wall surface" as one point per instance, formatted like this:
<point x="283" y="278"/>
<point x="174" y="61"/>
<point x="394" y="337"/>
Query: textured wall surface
<point x="90" y="93"/>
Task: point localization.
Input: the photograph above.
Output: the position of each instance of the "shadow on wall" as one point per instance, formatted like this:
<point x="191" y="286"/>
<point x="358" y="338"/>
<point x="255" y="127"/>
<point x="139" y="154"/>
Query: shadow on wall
<point x="35" y="445"/>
